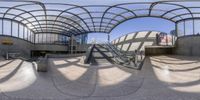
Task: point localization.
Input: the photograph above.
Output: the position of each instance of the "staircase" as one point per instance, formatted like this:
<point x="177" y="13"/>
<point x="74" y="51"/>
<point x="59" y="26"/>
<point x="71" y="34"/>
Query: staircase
<point x="107" y="54"/>
<point x="101" y="55"/>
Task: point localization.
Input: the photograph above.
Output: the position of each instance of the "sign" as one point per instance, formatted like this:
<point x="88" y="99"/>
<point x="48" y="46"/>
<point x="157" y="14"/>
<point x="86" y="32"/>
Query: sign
<point x="7" y="41"/>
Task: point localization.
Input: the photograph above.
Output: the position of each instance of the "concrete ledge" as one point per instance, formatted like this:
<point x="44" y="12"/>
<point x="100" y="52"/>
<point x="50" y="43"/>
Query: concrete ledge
<point x="64" y="55"/>
<point x="158" y="50"/>
<point x="188" y="45"/>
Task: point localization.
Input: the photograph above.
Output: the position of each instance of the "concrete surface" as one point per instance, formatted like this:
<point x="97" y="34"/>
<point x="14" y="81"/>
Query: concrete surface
<point x="136" y="41"/>
<point x="158" y="50"/>
<point x="24" y="47"/>
<point x="164" y="77"/>
<point x="188" y="45"/>
<point x="19" y="46"/>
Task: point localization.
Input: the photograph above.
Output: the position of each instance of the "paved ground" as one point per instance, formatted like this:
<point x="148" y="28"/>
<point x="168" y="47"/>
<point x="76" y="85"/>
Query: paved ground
<point x="161" y="78"/>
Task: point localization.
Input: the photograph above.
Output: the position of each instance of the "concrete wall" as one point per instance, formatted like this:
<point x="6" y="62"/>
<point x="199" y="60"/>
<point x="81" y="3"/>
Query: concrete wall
<point x="158" y="50"/>
<point x="24" y="47"/>
<point x="82" y="47"/>
<point x="50" y="47"/>
<point x="188" y="45"/>
<point x="59" y="47"/>
<point x="136" y="41"/>
<point x="21" y="46"/>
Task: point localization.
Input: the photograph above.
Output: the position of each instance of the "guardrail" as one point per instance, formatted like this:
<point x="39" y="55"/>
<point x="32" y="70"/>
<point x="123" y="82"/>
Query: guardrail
<point x="121" y="58"/>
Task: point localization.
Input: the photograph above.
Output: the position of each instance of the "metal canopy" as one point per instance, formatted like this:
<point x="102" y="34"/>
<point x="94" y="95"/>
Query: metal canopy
<point x="75" y="20"/>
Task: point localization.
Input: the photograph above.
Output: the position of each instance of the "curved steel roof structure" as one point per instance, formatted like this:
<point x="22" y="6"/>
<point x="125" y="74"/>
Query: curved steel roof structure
<point x="73" y="19"/>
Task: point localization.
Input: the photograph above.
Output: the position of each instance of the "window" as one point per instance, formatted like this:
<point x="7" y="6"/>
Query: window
<point x="7" y="27"/>
<point x="44" y="38"/>
<point x="189" y="27"/>
<point x="25" y="33"/>
<point x="180" y="29"/>
<point x="15" y="29"/>
<point x="21" y="28"/>
<point x="0" y="26"/>
<point x="56" y="38"/>
<point x="52" y="38"/>
<point x="28" y="35"/>
<point x="39" y="38"/>
<point x="197" y="26"/>
<point x="32" y="36"/>
<point x="48" y="38"/>
<point x="36" y="38"/>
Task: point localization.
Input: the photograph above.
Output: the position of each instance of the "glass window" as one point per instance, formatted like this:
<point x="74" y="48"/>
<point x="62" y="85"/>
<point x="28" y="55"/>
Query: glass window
<point x="39" y="38"/>
<point x="21" y="28"/>
<point x="180" y="29"/>
<point x="64" y="39"/>
<point x="48" y="38"/>
<point x="189" y="27"/>
<point x="52" y="38"/>
<point x="32" y="37"/>
<point x="60" y="38"/>
<point x="0" y="26"/>
<point x="44" y="39"/>
<point x="25" y="33"/>
<point x="197" y="27"/>
<point x="28" y="35"/>
<point x="36" y="38"/>
<point x="7" y="27"/>
<point x="14" y="29"/>
<point x="55" y="38"/>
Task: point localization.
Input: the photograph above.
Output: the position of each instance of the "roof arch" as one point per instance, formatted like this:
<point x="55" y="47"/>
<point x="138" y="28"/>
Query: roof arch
<point x="72" y="19"/>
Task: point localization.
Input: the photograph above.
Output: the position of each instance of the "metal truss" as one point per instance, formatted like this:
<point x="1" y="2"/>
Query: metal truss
<point x="71" y="19"/>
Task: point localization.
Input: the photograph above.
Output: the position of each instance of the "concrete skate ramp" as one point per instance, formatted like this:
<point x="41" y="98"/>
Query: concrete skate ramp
<point x="95" y="81"/>
<point x="169" y="77"/>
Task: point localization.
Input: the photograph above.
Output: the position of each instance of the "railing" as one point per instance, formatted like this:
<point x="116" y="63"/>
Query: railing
<point x="134" y="61"/>
<point x="41" y="64"/>
<point x="116" y="53"/>
<point x="16" y="55"/>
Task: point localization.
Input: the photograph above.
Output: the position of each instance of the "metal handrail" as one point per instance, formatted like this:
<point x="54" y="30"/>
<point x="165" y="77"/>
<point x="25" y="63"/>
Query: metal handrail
<point x="121" y="58"/>
<point x="117" y="54"/>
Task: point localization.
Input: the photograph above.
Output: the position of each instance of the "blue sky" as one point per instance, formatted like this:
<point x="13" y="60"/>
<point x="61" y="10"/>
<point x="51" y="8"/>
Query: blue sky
<point x="134" y="25"/>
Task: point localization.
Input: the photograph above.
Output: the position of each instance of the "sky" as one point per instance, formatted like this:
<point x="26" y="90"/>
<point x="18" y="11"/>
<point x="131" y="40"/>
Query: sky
<point x="134" y="25"/>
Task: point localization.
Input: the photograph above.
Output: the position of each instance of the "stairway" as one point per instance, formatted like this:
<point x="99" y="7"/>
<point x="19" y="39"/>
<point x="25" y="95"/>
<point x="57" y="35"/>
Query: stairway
<point x="101" y="55"/>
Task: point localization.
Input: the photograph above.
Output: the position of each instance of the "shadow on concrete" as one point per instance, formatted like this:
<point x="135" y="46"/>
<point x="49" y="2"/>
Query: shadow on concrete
<point x="6" y="63"/>
<point x="12" y="73"/>
<point x="184" y="75"/>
